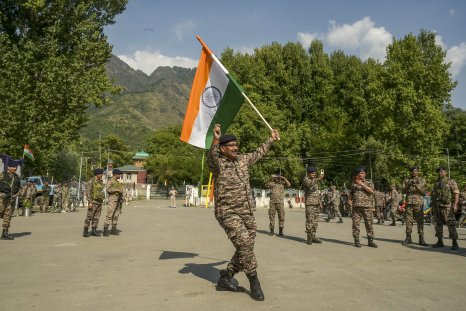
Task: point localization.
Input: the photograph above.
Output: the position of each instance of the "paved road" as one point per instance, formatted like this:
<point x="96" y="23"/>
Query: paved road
<point x="169" y="259"/>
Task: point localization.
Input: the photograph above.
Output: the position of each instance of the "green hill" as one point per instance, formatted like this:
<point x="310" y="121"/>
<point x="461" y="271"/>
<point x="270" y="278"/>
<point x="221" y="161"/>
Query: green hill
<point x="147" y="103"/>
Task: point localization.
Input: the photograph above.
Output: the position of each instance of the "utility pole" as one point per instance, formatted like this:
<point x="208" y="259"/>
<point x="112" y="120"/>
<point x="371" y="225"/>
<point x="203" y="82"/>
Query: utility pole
<point x="370" y="164"/>
<point x="448" y="157"/>
<point x="100" y="150"/>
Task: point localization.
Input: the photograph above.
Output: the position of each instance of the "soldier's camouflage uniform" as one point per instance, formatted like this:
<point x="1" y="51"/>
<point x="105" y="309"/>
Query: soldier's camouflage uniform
<point x="233" y="203"/>
<point x="333" y="204"/>
<point x="394" y="202"/>
<point x="462" y="207"/>
<point x="312" y="203"/>
<point x="443" y="197"/>
<point x="414" y="188"/>
<point x="115" y="199"/>
<point x="44" y="203"/>
<point x="28" y="194"/>
<point x="95" y="196"/>
<point x="379" y="197"/>
<point x="9" y="187"/>
<point x="277" y="195"/>
<point x="363" y="202"/>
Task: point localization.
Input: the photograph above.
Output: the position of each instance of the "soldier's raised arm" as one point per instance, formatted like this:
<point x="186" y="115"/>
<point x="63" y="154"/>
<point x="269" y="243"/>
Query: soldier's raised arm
<point x="255" y="156"/>
<point x="214" y="151"/>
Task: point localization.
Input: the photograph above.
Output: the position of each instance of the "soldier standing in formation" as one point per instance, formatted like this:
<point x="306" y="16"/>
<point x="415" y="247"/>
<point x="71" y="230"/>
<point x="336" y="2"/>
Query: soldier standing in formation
<point x="379" y="197"/>
<point x="277" y="186"/>
<point x="445" y="198"/>
<point x="44" y="203"/>
<point x="65" y="196"/>
<point x="462" y="206"/>
<point x="414" y="188"/>
<point x="312" y="203"/>
<point x="333" y="204"/>
<point x="28" y="195"/>
<point x="9" y="188"/>
<point x="115" y="199"/>
<point x="234" y="207"/>
<point x="172" y="194"/>
<point x="95" y="198"/>
<point x="394" y="202"/>
<point x="362" y="201"/>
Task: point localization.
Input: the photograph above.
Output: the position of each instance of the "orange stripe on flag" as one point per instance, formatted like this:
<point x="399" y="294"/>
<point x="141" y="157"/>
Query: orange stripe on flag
<point x="199" y="83"/>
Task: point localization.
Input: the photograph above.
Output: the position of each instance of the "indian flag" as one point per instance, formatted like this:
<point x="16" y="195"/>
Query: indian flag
<point x="215" y="98"/>
<point x="27" y="151"/>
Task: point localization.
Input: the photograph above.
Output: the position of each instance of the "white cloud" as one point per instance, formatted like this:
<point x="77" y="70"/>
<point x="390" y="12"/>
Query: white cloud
<point x="451" y="12"/>
<point x="246" y="50"/>
<point x="148" y="61"/>
<point x="457" y="56"/>
<point x="439" y="41"/>
<point x="184" y="29"/>
<point x="362" y="38"/>
<point x="305" y="38"/>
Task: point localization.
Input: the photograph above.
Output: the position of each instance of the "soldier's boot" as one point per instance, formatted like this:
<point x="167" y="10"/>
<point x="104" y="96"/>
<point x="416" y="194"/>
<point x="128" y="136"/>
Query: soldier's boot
<point x="86" y="232"/>
<point x="454" y="245"/>
<point x="378" y="221"/>
<point x="256" y="290"/>
<point x="225" y="282"/>
<point x="407" y="240"/>
<point x="356" y="242"/>
<point x="315" y="239"/>
<point x="6" y="236"/>
<point x="94" y="232"/>
<point x="271" y="231"/>
<point x="439" y="243"/>
<point x="106" y="233"/>
<point x="392" y="224"/>
<point x="340" y="221"/>
<point x="327" y="219"/>
<point x="280" y="231"/>
<point x="114" y="231"/>
<point x="371" y="242"/>
<point x="309" y="238"/>
<point x="421" y="241"/>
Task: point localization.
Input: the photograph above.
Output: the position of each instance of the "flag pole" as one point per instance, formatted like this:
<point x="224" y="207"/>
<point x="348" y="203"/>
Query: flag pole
<point x="217" y="61"/>
<point x="207" y="198"/>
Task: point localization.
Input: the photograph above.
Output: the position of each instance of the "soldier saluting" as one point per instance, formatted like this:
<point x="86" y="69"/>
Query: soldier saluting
<point x="9" y="188"/>
<point x="234" y="207"/>
<point x="277" y="186"/>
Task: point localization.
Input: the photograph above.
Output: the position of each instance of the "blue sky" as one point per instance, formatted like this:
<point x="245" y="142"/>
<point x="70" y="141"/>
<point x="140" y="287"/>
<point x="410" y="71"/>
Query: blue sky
<point x="162" y="33"/>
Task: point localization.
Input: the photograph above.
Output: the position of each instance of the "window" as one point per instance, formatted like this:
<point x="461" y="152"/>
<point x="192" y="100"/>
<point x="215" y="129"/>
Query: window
<point x="128" y="176"/>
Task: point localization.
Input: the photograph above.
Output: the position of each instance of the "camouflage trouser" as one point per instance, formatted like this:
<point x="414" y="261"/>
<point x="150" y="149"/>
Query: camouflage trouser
<point x="335" y="209"/>
<point x="366" y="213"/>
<point x="93" y="214"/>
<point x="113" y="212"/>
<point x="379" y="213"/>
<point x="274" y="208"/>
<point x="393" y="211"/>
<point x="44" y="204"/>
<point x="445" y="215"/>
<point x="66" y="203"/>
<point x="241" y="230"/>
<point x="462" y="217"/>
<point x="172" y="201"/>
<point x="414" y="212"/>
<point x="312" y="218"/>
<point x="7" y="205"/>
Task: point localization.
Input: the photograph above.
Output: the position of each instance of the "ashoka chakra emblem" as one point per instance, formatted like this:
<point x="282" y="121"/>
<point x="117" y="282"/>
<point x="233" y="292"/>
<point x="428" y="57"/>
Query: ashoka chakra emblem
<point x="211" y="96"/>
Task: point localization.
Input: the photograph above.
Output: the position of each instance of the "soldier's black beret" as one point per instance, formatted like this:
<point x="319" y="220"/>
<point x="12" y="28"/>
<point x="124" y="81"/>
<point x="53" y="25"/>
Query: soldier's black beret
<point x="412" y="168"/>
<point x="359" y="169"/>
<point x="226" y="138"/>
<point x="441" y="168"/>
<point x="98" y="171"/>
<point x="311" y="169"/>
<point x="13" y="163"/>
<point x="117" y="171"/>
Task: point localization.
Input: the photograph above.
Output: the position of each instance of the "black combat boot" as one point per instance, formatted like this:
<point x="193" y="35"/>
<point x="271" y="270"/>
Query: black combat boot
<point x="309" y="238"/>
<point x="356" y="242"/>
<point x="371" y="242"/>
<point x="421" y="241"/>
<point x="6" y="236"/>
<point x="315" y="239"/>
<point x="340" y="221"/>
<point x="407" y="240"/>
<point x="392" y="224"/>
<point x="280" y="231"/>
<point x="439" y="243"/>
<point x="327" y="219"/>
<point x="256" y="290"/>
<point x="94" y="232"/>
<point x="105" y="233"/>
<point x="114" y="231"/>
<point x="86" y="232"/>
<point x="454" y="245"/>
<point x="271" y="231"/>
<point x="225" y="282"/>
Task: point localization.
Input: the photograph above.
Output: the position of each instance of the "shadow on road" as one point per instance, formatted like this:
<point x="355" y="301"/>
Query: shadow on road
<point x="303" y="240"/>
<point x="20" y="234"/>
<point x="443" y="250"/>
<point x="204" y="271"/>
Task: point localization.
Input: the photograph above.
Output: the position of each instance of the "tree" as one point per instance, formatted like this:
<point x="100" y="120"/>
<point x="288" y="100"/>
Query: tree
<point x="52" y="64"/>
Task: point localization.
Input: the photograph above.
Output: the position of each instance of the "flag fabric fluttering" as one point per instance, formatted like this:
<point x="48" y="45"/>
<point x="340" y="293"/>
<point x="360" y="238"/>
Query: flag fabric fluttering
<point x="216" y="97"/>
<point x="27" y="151"/>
